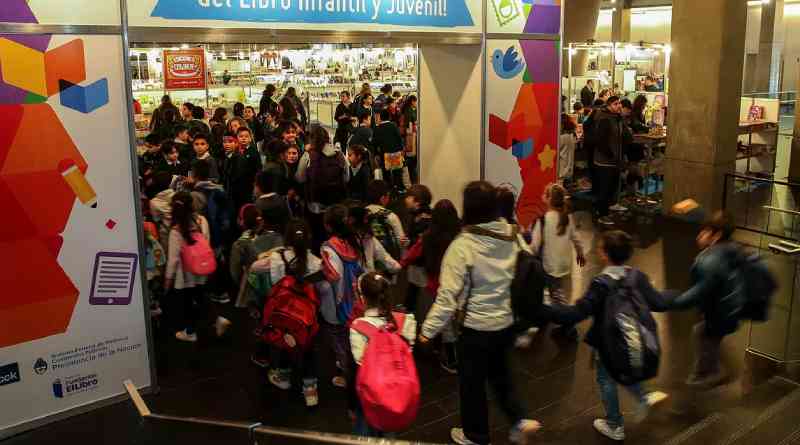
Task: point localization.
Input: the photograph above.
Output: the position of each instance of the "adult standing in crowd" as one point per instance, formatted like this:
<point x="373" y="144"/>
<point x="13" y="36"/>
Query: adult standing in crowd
<point x="388" y="145"/>
<point x="267" y="103"/>
<point x="291" y="94"/>
<point x="476" y="275"/>
<point x="609" y="138"/>
<point x="408" y="129"/>
<point x="157" y="119"/>
<point x="587" y="94"/>
<point x="345" y="112"/>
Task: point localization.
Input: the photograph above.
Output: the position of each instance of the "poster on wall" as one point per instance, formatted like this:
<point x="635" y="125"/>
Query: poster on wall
<point x="523" y="16"/>
<point x="72" y="313"/>
<point x="184" y="69"/>
<point x="522" y="120"/>
<point x="371" y="15"/>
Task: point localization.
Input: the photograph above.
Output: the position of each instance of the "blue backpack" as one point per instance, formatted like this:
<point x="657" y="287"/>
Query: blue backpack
<point x="351" y="270"/>
<point x="218" y="214"/>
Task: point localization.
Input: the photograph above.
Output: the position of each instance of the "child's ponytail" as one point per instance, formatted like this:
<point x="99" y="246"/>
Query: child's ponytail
<point x="557" y="197"/>
<point x="374" y="288"/>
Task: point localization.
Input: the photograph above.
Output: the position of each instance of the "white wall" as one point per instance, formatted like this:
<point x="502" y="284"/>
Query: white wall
<point x="450" y="119"/>
<point x="651" y="25"/>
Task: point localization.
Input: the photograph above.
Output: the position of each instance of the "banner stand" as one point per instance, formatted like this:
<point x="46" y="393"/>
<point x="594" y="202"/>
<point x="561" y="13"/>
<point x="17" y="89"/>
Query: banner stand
<point x="121" y="395"/>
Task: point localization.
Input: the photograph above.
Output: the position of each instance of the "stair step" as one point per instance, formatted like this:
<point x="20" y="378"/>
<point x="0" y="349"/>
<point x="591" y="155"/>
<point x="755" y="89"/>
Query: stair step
<point x="733" y="425"/>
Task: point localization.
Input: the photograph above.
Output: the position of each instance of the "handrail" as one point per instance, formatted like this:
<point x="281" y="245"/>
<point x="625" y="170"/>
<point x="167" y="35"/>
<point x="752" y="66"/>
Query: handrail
<point x="257" y="429"/>
<point x="757" y="179"/>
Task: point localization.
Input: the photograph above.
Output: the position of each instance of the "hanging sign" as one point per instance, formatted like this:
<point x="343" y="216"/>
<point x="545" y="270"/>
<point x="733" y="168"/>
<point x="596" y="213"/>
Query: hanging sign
<point x="184" y="69"/>
<point x="411" y="13"/>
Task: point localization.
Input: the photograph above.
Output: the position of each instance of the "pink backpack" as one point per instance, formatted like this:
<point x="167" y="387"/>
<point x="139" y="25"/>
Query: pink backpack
<point x="198" y="258"/>
<point x="387" y="383"/>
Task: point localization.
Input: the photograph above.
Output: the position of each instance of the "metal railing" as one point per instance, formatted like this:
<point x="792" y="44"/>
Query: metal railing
<point x="763" y="205"/>
<point x="256" y="430"/>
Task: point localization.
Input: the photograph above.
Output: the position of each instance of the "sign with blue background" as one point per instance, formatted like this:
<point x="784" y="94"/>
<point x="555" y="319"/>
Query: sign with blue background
<point x="410" y="13"/>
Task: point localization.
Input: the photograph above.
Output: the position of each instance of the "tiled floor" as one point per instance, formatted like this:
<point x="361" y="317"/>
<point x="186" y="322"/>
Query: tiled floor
<point x="216" y="380"/>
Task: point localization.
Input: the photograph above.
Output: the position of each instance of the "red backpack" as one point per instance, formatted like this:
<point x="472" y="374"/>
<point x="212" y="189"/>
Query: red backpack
<point x="387" y="383"/>
<point x="290" y="310"/>
<point x="198" y="258"/>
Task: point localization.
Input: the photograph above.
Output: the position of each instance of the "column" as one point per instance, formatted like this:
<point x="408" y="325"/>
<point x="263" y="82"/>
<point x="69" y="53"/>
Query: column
<point x="580" y="24"/>
<point x="705" y="88"/>
<point x="770" y="47"/>
<point x="621" y="22"/>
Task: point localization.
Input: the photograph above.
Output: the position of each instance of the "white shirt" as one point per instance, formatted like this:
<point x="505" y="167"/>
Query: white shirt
<point x="358" y="342"/>
<point x="557" y="255"/>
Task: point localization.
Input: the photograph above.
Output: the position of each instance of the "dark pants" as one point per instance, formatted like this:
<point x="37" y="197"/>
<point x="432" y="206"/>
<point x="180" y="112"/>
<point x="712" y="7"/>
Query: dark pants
<point x="605" y="186"/>
<point x="395" y="180"/>
<point x="194" y="307"/>
<point x="317" y="223"/>
<point x="411" y="164"/>
<point x="708" y="352"/>
<point x="484" y="357"/>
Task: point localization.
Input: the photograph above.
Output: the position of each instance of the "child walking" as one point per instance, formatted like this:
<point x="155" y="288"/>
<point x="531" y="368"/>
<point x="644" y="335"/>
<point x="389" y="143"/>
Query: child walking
<point x="554" y="238"/>
<point x="296" y="260"/>
<point x="616" y="248"/>
<point x="428" y="252"/>
<point x="188" y="287"/>
<point x="374" y="290"/>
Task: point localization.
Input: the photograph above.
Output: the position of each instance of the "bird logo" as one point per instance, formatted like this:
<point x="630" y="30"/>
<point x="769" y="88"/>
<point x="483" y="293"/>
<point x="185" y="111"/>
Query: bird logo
<point x="507" y="65"/>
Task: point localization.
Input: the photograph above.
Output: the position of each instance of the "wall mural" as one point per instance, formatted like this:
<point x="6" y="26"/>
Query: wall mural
<point x="522" y="100"/>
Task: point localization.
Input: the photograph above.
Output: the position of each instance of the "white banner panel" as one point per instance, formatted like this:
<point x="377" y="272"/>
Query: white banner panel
<point x="72" y="323"/>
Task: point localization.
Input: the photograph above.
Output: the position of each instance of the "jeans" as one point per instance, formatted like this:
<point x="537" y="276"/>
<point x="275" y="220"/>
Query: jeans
<point x="484" y="357"/>
<point x="605" y="186"/>
<point x="708" y="352"/>
<point x="608" y="392"/>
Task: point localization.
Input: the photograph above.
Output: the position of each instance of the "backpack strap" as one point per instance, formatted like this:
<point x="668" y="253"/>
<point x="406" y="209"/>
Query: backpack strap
<point x="365" y="328"/>
<point x="399" y="321"/>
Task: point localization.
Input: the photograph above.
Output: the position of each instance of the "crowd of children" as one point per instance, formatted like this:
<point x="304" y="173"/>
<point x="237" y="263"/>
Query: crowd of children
<point x="297" y="230"/>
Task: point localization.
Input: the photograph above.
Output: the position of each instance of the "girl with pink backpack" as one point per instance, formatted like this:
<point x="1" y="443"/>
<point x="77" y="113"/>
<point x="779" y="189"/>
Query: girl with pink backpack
<point x="384" y="387"/>
<point x="189" y="262"/>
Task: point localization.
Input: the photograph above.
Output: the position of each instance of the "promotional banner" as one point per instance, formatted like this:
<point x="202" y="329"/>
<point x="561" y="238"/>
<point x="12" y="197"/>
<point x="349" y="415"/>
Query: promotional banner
<point x="184" y="69"/>
<point x="72" y="323"/>
<point x="522" y="106"/>
<point x="373" y="15"/>
<point x="523" y="16"/>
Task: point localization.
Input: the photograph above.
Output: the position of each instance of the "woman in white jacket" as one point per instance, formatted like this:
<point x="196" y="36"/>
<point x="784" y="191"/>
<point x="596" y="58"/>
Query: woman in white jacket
<point x="476" y="276"/>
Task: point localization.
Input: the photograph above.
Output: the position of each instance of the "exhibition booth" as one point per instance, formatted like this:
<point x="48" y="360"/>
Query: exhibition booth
<point x="487" y="74"/>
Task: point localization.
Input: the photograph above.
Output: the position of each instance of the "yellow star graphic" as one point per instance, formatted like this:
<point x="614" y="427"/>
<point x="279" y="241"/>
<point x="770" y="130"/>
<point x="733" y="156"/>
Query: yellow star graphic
<point x="547" y="157"/>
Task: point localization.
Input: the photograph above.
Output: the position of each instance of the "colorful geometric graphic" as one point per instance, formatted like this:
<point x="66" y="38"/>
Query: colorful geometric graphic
<point x="36" y="197"/>
<point x="539" y="16"/>
<point x="531" y="131"/>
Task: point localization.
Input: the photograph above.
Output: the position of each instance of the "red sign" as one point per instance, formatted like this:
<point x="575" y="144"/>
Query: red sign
<point x="185" y="69"/>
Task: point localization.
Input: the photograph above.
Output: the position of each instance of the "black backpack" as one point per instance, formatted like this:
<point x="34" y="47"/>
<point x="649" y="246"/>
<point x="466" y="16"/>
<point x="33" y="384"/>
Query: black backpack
<point x="756" y="284"/>
<point x="383" y="231"/>
<point x="326" y="178"/>
<point x="629" y="346"/>
<point x="527" y="287"/>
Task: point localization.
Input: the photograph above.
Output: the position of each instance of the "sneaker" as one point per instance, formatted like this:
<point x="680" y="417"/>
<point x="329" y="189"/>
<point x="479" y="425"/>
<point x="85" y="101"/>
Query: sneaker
<point x="311" y="394"/>
<point x="706" y="382"/>
<point x="602" y="427"/>
<point x="280" y="378"/>
<point x="261" y="362"/>
<point x="183" y="336"/>
<point x="523" y="341"/>
<point x="605" y="221"/>
<point x="339" y="382"/>
<point x="449" y="360"/>
<point x="651" y="399"/>
<point x="618" y="208"/>
<point x="457" y="434"/>
<point x="221" y="325"/>
<point x="220" y="299"/>
<point x="523" y="431"/>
